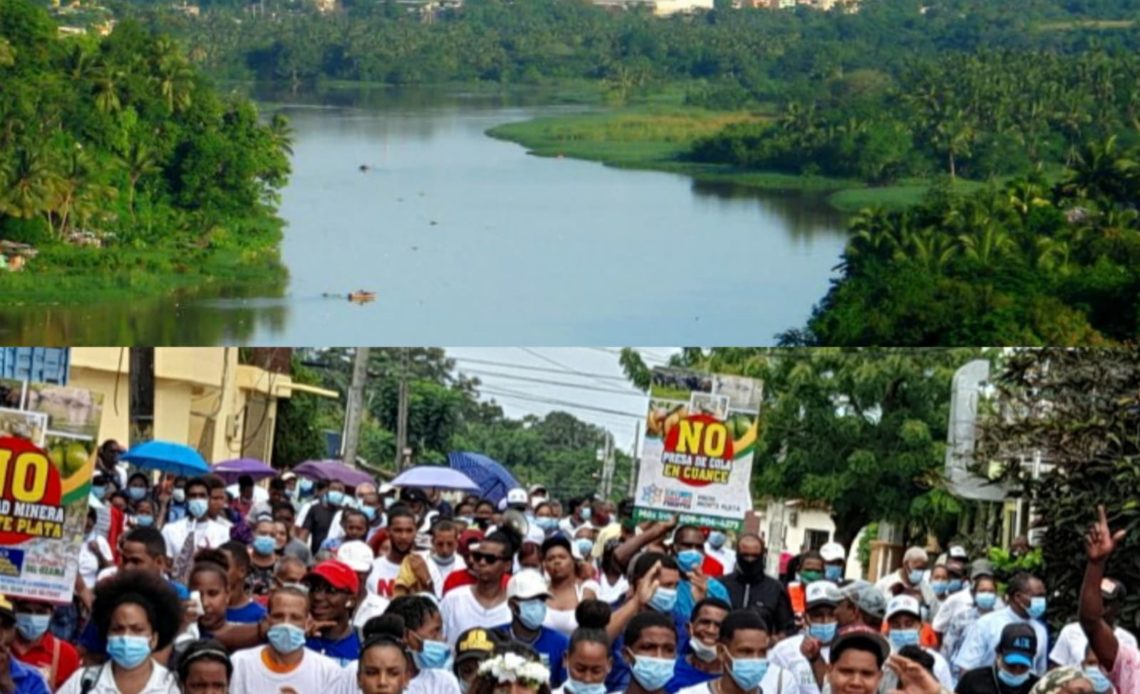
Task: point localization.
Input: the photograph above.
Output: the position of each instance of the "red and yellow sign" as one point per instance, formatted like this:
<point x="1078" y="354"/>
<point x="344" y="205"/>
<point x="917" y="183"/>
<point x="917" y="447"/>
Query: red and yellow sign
<point x="31" y="493"/>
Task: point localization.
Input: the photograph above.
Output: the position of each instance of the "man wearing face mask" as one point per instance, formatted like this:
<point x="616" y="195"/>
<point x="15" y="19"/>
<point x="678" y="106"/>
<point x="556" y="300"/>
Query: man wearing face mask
<point x="654" y="578"/>
<point x="649" y="653"/>
<point x="689" y="551"/>
<point x="194" y="532"/>
<point x="527" y="594"/>
<point x="742" y="656"/>
<point x="175" y="502"/>
<point x="356" y="501"/>
<point x="580" y="516"/>
<point x="320" y="518"/>
<point x="1026" y="605"/>
<point x="35" y="646"/>
<point x="1072" y="644"/>
<point x="750" y="588"/>
<point x="806" y="655"/>
<point x="904" y="622"/>
<point x="834" y="563"/>
<point x="910" y="577"/>
<point x="1010" y="673"/>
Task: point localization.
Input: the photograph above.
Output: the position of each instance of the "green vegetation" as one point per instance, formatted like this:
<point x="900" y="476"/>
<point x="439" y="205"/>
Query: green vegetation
<point x="124" y="170"/>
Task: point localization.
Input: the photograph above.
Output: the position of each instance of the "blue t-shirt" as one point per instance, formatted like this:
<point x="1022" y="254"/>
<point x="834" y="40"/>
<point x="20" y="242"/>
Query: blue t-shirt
<point x="27" y="679"/>
<point x="618" y="679"/>
<point x="551" y="646"/>
<point x="90" y="640"/>
<point x="343" y="651"/>
<point x="252" y="613"/>
<point x="685" y="675"/>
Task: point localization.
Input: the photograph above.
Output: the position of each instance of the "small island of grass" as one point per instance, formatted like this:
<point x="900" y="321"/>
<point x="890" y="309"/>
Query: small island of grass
<point x="123" y="173"/>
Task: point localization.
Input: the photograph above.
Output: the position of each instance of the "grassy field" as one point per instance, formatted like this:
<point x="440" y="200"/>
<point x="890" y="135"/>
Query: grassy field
<point x="656" y="135"/>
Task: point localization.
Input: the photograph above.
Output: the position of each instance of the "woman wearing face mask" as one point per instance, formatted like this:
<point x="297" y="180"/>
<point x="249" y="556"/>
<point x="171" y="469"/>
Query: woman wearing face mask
<point x="137" y="613"/>
<point x="612" y="583"/>
<point x="1093" y="673"/>
<point x="940" y="582"/>
<point x="423" y="634"/>
<point x="263" y="558"/>
<point x="142" y="514"/>
<point x="34" y="645"/>
<point x="588" y="661"/>
<point x="984" y="590"/>
<point x="138" y="487"/>
<point x="566" y="589"/>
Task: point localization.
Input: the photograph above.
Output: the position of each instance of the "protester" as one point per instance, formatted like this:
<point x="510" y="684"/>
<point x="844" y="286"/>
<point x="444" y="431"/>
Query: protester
<point x="319" y="519"/>
<point x="241" y="608"/>
<point x="262" y="559"/>
<point x="1120" y="660"/>
<point x="402" y="535"/>
<point x="904" y="620"/>
<point x="910" y="577"/>
<point x="16" y="676"/>
<point x="95" y="553"/>
<point x="210" y="580"/>
<point x="650" y="651"/>
<point x="742" y="654"/>
<point x="806" y="655"/>
<point x="333" y="589"/>
<point x="961" y="608"/>
<point x="205" y="668"/>
<point x="749" y="587"/>
<point x="473" y="648"/>
<point x="287" y="545"/>
<point x="286" y="663"/>
<point x="527" y="597"/>
<point x="611" y="580"/>
<point x="808" y="571"/>
<point x="701" y="663"/>
<point x="485" y="602"/>
<point x="862" y="605"/>
<point x="200" y="529"/>
<point x="834" y="563"/>
<point x="34" y="645"/>
<point x="1071" y="644"/>
<point x="385" y="665"/>
<point x="136" y="614"/>
<point x="567" y="589"/>
<point x="984" y="593"/>
<point x="856" y="662"/>
<point x="357" y="556"/>
<point x="1026" y="598"/>
<point x="1010" y="672"/>
<point x="940" y="582"/>
<point x="423" y="634"/>
<point x="689" y="550"/>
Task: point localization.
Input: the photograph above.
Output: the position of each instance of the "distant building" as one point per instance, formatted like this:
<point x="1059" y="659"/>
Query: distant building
<point x="666" y="8"/>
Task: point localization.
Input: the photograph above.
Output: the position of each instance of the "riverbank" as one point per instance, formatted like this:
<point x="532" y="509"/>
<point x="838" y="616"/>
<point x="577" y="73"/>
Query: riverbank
<point x="655" y="137"/>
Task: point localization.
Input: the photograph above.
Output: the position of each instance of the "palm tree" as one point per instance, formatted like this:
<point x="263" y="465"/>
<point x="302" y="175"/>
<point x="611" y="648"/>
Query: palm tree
<point x="931" y="248"/>
<point x="139" y="160"/>
<point x="987" y="244"/>
<point x="108" y="80"/>
<point x="1101" y="170"/>
<point x="31" y="180"/>
<point x="173" y="74"/>
<point x="281" y="133"/>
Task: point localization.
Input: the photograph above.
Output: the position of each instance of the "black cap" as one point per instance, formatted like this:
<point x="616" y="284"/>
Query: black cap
<point x="1018" y="644"/>
<point x="414" y="494"/>
<point x="863" y="637"/>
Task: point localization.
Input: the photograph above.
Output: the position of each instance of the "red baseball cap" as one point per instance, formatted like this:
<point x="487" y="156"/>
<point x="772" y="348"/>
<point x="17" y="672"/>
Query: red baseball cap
<point x="338" y="575"/>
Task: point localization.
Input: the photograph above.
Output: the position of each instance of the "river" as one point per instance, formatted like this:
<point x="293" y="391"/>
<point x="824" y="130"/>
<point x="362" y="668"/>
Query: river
<point x="469" y="240"/>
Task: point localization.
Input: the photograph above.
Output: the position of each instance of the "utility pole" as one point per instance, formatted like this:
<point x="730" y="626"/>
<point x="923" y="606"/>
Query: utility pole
<point x="635" y="462"/>
<point x="354" y="407"/>
<point x="608" y="466"/>
<point x="402" y="412"/>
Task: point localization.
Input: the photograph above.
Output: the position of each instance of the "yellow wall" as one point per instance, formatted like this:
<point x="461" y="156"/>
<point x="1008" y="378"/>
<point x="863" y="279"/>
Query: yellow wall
<point x="95" y="368"/>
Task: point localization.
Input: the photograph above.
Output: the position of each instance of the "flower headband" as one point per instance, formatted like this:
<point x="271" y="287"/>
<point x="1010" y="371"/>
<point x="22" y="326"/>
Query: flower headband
<point x="512" y="667"/>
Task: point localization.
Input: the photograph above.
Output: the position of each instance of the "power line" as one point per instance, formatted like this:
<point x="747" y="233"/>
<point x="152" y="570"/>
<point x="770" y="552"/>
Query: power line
<point x="498" y="374"/>
<point x="547" y="359"/>
<point x="583" y="374"/>
<point x="655" y="360"/>
<point x="551" y="401"/>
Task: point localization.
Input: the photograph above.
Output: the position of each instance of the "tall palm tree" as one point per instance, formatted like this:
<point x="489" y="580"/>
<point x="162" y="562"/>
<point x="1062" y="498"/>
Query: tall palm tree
<point x="138" y="160"/>
<point x="281" y="133"/>
<point x="30" y="181"/>
<point x="173" y="74"/>
<point x="987" y="245"/>
<point x="108" y="82"/>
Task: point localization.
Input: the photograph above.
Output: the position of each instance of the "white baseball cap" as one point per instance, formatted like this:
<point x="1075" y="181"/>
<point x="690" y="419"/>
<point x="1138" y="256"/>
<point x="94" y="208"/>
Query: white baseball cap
<point x="822" y="593"/>
<point x="903" y="604"/>
<point x="958" y="552"/>
<point x="832" y="551"/>
<point x="386" y="488"/>
<point x="356" y="555"/>
<point x="527" y="584"/>
<point x="517" y="496"/>
<point x="538" y="487"/>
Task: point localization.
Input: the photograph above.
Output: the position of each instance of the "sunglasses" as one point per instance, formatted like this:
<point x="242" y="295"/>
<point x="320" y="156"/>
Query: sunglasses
<point x="484" y="558"/>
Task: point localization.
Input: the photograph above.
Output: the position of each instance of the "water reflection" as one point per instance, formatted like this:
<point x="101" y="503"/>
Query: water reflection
<point x="802" y="215"/>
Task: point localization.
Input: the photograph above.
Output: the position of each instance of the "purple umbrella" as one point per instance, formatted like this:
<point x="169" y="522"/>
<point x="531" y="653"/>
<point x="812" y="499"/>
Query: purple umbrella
<point x="231" y="470"/>
<point x="334" y="471"/>
<point x="435" y="476"/>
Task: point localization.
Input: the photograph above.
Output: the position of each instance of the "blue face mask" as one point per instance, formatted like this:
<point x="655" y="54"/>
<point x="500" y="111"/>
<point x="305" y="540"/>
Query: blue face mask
<point x="824" y="632"/>
<point x="1011" y="680"/>
<point x="955" y="585"/>
<point x="98" y="491"/>
<point x="197" y="507"/>
<point x="747" y="672"/>
<point x="833" y="573"/>
<point x="32" y="626"/>
<point x="128" y="651"/>
<point x="264" y="545"/>
<point x="915" y="577"/>
<point x="652" y="673"/>
<point x="689" y="559"/>
<point x="1097" y="679"/>
<point x="144" y="521"/>
<point x="585" y="513"/>
<point x="369" y="513"/>
<point x="434" y="655"/>
<point x="136" y="493"/>
<point x="389" y="502"/>
<point x="306" y="486"/>
<point x="663" y="599"/>
<point x="585" y="546"/>
<point x="286" y="638"/>
<point x="940" y="587"/>
<point x="546" y="523"/>
<point x="575" y="687"/>
<point x="717" y="539"/>
<point x="1037" y="608"/>
<point x="903" y="637"/>
<point x="334" y="498"/>
<point x="985" y="601"/>
<point x="532" y="613"/>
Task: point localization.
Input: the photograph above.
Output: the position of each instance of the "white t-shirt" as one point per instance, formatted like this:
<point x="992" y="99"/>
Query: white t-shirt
<point x="315" y="673"/>
<point x="776" y="681"/>
<point x="382" y="578"/>
<point x="89" y="563"/>
<point x="371" y="606"/>
<point x="161" y="681"/>
<point x="207" y="534"/>
<point x="611" y="593"/>
<point x="787" y="655"/>
<point x="439" y="574"/>
<point x="725" y="555"/>
<point x="428" y="681"/>
<point x="461" y="611"/>
<point x="260" y="494"/>
<point x="1072" y="644"/>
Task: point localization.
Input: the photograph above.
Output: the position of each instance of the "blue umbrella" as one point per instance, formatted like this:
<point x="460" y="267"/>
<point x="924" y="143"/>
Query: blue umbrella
<point x="169" y="457"/>
<point x="493" y="479"/>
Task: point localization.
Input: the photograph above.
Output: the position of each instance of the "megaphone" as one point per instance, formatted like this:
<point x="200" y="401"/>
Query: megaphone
<point x="516" y="521"/>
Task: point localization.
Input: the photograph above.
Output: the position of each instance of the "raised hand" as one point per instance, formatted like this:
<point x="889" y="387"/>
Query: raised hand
<point x="913" y="678"/>
<point x="648" y="585"/>
<point x="810" y="648"/>
<point x="1100" y="541"/>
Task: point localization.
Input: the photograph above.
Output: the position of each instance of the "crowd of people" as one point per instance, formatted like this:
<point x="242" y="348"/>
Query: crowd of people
<point x="299" y="586"/>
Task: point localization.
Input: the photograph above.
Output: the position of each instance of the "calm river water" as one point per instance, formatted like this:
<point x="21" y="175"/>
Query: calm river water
<point x="470" y="240"/>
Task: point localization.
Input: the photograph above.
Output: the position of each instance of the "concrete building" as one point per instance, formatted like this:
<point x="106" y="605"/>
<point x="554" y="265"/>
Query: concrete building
<point x="666" y="8"/>
<point x="205" y="397"/>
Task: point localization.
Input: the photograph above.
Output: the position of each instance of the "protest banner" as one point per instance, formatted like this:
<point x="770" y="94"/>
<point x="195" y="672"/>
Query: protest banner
<point x="700" y="435"/>
<point x="47" y="459"/>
